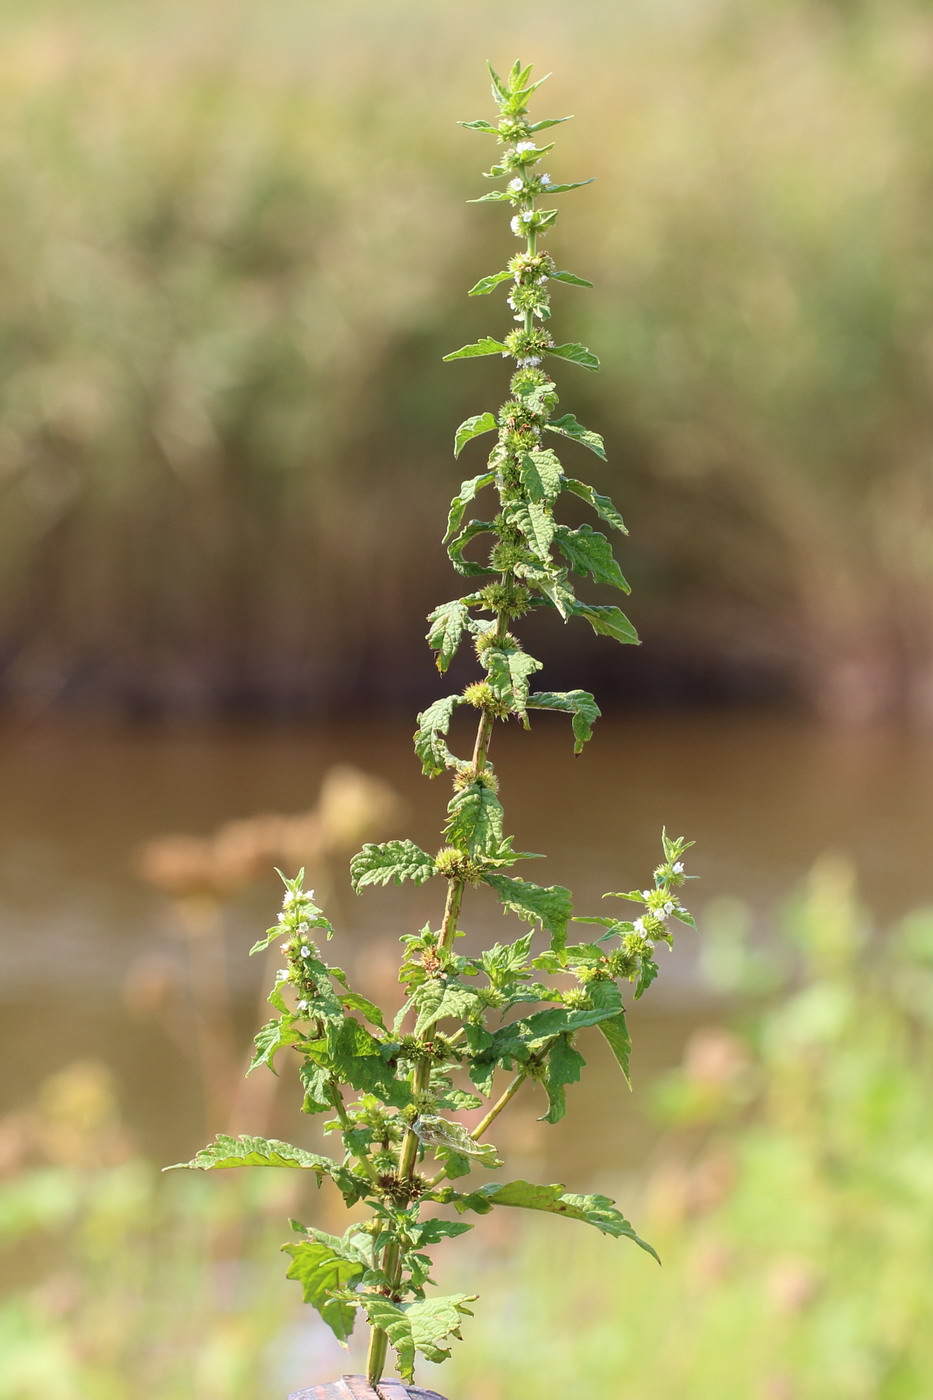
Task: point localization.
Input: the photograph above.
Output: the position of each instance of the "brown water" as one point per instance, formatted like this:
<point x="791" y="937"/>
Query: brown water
<point x="763" y="797"/>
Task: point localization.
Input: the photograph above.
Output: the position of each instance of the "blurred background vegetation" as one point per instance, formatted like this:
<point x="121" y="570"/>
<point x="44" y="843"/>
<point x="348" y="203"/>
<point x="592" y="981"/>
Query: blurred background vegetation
<point x="235" y="247"/>
<point x="237" y="244"/>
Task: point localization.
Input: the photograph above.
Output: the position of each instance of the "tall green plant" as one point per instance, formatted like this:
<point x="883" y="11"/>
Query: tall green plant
<point x="396" y="1092"/>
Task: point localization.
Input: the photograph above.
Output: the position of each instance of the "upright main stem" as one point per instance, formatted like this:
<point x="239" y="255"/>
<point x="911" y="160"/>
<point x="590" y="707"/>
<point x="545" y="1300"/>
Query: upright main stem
<point x="421" y="1076"/>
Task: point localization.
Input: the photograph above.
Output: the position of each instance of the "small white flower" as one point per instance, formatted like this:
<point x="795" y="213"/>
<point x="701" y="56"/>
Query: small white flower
<point x="639" y="926"/>
<point x="647" y="895"/>
<point x="302" y="1005"/>
<point x="529" y="362"/>
<point x="510" y="301"/>
<point x="519" y="317"/>
<point x="305" y="951"/>
<point x="545" y="179"/>
<point x="667" y="909"/>
<point x="678" y="867"/>
<point x="516" y="184"/>
<point x="283" y="918"/>
<point x="524" y="146"/>
<point x="303" y="926"/>
<point x="527" y="216"/>
<point x="283" y="948"/>
<point x="282" y="975"/>
<point x="515" y="225"/>
<point x="541" y="281"/>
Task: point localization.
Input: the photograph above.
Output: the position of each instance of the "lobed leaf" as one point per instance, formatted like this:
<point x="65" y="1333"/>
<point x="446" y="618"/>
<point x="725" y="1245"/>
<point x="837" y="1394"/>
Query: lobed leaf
<point x="568" y="426"/>
<point x="446" y="627"/>
<point x="509" y="670"/>
<point x="599" y="1211"/>
<point x="578" y="703"/>
<point x="323" y="1265"/>
<point x="226" y="1152"/>
<point x="601" y="504"/>
<point x="433" y="725"/>
<point x="536" y="524"/>
<point x="550" y="905"/>
<point x="589" y="552"/>
<point x="392" y="860"/>
<point x="475" y="820"/>
<point x="564" y="1064"/>
<point x="418" y="1328"/>
<point x="541" y="474"/>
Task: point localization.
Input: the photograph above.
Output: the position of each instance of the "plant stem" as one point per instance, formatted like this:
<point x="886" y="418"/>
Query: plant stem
<point x="481" y="1127"/>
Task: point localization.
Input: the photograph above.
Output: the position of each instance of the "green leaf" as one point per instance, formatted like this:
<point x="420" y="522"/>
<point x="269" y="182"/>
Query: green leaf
<point x="551" y="121"/>
<point x="619" y="1042"/>
<point x="488" y="284"/>
<point x="574" y="352"/>
<point x="355" y="1001"/>
<point x="486" y="346"/>
<point x="446" y="627"/>
<point x="570" y="278"/>
<point x="589" y="552"/>
<point x="564" y="1064"/>
<point x="601" y="504"/>
<point x="490" y="197"/>
<point x="392" y="860"/>
<point x="433" y="725"/>
<point x="480" y="126"/>
<point x="541" y="474"/>
<point x="599" y="1211"/>
<point x="435" y="999"/>
<point x="578" y="703"/>
<point x="474" y="820"/>
<point x="568" y="426"/>
<point x="473" y="427"/>
<point x="536" y="524"/>
<point x="607" y="622"/>
<point x="560" y="189"/>
<point x="458" y="505"/>
<point x="550" y="905"/>
<point x="418" y="1328"/>
<point x="225" y="1152"/>
<point x="274" y="1036"/>
<point x="455" y="549"/>
<point x="510" y="670"/>
<point x="324" y="1264"/>
<point x="500" y="90"/>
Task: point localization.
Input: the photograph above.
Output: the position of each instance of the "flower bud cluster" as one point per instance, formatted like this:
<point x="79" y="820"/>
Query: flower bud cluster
<point x="300" y="949"/>
<point x="527" y="346"/>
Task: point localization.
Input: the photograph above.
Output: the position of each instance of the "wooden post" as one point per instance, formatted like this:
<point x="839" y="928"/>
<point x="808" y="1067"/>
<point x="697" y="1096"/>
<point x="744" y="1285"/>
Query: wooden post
<point x="358" y="1388"/>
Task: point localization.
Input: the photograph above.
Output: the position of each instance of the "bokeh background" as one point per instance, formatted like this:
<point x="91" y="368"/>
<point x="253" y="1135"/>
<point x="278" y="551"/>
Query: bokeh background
<point x="235" y="247"/>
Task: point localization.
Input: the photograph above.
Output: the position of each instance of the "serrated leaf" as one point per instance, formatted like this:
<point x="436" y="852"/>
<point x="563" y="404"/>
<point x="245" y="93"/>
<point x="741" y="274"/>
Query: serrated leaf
<point x="599" y="1211"/>
<point x="550" y="905"/>
<point x="458" y="505"/>
<point x="601" y="504"/>
<point x="473" y="427"/>
<point x="568" y="426"/>
<point x="576" y="353"/>
<point x="274" y="1036"/>
<point x="509" y="670"/>
<point x="355" y="1001"/>
<point x="488" y="284"/>
<point x="474" y="820"/>
<point x="589" y="552"/>
<point x="564" y="1064"/>
<point x="418" y="1328"/>
<point x="446" y="626"/>
<point x="433" y="725"/>
<point x="392" y="860"/>
<point x="607" y="622"/>
<point x="486" y="346"/>
<point x="324" y="1264"/>
<point x="619" y="1041"/>
<point x="536" y="524"/>
<point x="458" y="544"/>
<point x="499" y="88"/>
<point x="226" y="1152"/>
<point x="541" y="474"/>
<point x="578" y="703"/>
<point x="435" y="999"/>
<point x="570" y="278"/>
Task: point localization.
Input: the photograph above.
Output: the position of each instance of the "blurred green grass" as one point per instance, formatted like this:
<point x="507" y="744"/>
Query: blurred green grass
<point x="236" y="246"/>
<point x="791" y="1199"/>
